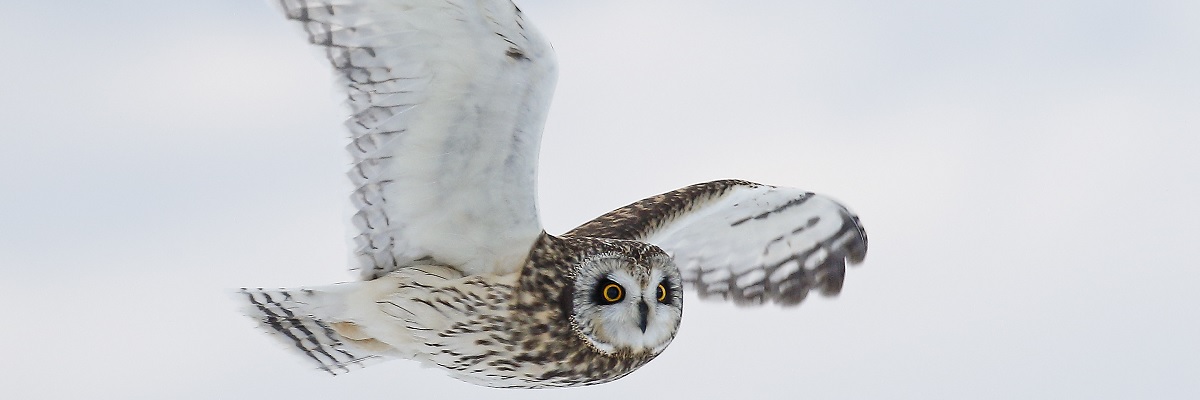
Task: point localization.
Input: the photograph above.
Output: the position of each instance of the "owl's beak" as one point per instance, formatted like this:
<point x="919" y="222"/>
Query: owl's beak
<point x="643" y="310"/>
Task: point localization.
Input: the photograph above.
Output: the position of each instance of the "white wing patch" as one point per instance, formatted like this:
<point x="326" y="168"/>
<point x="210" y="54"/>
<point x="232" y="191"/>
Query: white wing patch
<point x="448" y="101"/>
<point x="759" y="243"/>
<point x="744" y="241"/>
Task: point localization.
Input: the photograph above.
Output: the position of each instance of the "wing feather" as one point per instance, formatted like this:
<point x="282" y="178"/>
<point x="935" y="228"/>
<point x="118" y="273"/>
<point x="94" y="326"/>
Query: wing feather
<point x="448" y="100"/>
<point x="744" y="241"/>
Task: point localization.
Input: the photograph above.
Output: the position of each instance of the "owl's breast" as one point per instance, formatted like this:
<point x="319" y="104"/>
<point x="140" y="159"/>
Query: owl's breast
<point x="510" y="331"/>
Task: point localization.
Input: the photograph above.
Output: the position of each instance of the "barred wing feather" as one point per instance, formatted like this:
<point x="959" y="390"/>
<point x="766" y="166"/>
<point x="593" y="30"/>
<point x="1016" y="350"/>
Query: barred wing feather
<point x="742" y="241"/>
<point x="448" y="100"/>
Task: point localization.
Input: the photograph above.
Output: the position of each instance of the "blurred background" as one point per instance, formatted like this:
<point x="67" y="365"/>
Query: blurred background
<point x="1026" y="170"/>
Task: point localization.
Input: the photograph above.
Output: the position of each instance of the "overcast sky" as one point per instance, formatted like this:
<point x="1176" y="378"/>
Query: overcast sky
<point x="1027" y="172"/>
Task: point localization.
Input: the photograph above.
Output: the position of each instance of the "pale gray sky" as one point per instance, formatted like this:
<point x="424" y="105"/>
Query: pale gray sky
<point x="1026" y="170"/>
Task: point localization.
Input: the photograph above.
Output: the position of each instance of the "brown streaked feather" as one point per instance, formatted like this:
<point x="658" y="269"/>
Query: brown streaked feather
<point x="639" y="220"/>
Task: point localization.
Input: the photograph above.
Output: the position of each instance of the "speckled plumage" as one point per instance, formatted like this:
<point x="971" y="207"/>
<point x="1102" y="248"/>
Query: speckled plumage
<point x="512" y="331"/>
<point x="523" y="334"/>
<point x="546" y="340"/>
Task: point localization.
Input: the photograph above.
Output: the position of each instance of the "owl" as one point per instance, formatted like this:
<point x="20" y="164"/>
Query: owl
<point x="447" y="100"/>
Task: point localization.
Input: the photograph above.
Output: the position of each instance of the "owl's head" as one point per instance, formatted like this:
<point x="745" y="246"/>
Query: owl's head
<point x="628" y="302"/>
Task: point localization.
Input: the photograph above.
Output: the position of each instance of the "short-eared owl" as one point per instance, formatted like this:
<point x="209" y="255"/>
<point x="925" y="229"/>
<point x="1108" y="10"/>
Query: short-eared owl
<point x="448" y="100"/>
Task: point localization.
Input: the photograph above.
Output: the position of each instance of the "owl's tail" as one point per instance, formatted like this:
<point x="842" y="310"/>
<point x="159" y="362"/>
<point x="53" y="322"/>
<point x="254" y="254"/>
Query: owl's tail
<point x="298" y="317"/>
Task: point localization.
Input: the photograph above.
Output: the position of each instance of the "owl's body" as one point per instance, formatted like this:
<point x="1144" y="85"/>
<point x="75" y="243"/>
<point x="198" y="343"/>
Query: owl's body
<point x="519" y="330"/>
<point x="448" y="99"/>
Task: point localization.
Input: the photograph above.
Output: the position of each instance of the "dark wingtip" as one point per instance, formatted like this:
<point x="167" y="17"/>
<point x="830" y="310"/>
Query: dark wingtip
<point x="835" y="276"/>
<point x="857" y="250"/>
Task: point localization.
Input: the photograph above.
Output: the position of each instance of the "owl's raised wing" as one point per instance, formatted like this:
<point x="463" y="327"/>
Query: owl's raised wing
<point x="744" y="241"/>
<point x="448" y="99"/>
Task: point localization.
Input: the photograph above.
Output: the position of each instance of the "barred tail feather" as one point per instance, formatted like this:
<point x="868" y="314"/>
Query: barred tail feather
<point x="294" y="317"/>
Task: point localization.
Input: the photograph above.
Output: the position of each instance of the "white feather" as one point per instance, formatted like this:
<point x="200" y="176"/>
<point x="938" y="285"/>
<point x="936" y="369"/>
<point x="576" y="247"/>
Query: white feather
<point x="759" y="238"/>
<point x="726" y="232"/>
<point x="448" y="101"/>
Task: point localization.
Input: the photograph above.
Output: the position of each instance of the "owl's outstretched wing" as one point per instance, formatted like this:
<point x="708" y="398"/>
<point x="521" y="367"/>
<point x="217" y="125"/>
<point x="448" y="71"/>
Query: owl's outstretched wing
<point x="744" y="241"/>
<point x="448" y="99"/>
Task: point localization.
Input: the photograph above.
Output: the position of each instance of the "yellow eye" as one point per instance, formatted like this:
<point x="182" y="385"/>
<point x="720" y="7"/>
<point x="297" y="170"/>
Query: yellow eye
<point x="612" y="293"/>
<point x="662" y="293"/>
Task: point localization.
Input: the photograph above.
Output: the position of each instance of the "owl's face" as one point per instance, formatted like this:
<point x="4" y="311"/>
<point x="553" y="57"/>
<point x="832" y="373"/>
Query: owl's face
<point x="628" y="304"/>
